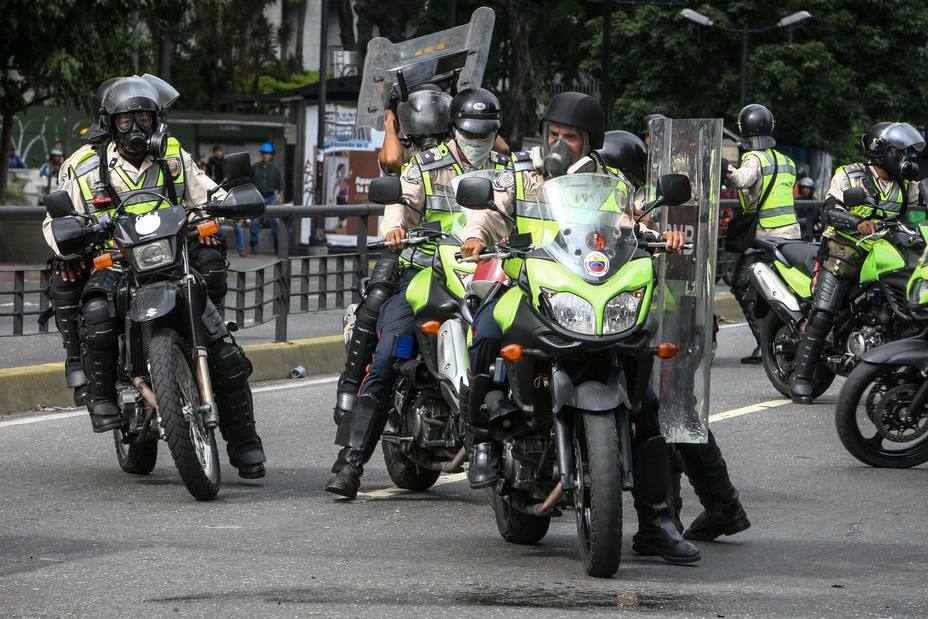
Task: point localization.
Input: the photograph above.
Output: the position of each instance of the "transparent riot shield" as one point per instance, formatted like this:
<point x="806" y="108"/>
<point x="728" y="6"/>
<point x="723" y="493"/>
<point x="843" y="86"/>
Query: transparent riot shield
<point x="455" y="57"/>
<point x="686" y="281"/>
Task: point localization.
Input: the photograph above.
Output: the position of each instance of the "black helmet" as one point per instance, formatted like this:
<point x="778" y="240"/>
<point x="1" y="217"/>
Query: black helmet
<point x="475" y="110"/>
<point x="132" y="94"/>
<point x="425" y="112"/>
<point x="627" y="152"/>
<point x="575" y="109"/>
<point x="97" y="131"/>
<point x="755" y="123"/>
<point x="887" y="143"/>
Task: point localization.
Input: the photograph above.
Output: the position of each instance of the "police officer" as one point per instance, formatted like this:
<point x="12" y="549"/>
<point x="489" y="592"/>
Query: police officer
<point x="764" y="179"/>
<point x="887" y="178"/>
<point x="704" y="465"/>
<point x="139" y="158"/>
<point x="475" y="121"/>
<point x="573" y="127"/>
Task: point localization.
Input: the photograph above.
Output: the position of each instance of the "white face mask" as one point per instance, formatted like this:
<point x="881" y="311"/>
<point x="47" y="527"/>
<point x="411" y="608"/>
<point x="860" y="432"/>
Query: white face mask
<point x="477" y="151"/>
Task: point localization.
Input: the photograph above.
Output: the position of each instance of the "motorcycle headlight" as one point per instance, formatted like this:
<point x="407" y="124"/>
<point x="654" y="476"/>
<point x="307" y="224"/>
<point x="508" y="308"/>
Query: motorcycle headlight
<point x="153" y="255"/>
<point x="918" y="295"/>
<point x="571" y="312"/>
<point x="622" y="311"/>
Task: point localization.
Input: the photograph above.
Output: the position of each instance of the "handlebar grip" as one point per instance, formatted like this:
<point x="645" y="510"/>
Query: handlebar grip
<point x="377" y="245"/>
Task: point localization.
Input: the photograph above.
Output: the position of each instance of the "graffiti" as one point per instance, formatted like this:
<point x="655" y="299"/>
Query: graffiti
<point x="36" y="131"/>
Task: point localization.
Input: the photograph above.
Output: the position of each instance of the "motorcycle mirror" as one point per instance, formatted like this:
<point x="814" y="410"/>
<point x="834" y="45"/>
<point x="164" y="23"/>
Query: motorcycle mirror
<point x="674" y="189"/>
<point x="58" y="204"/>
<point x="855" y="196"/>
<point x="236" y="169"/>
<point x="475" y="193"/>
<point x="385" y="190"/>
<point x="70" y="235"/>
<point x="242" y="202"/>
<point x="520" y="241"/>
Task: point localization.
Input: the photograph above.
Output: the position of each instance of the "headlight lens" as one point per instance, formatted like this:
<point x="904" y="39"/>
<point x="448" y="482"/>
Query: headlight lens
<point x="622" y="311"/>
<point x="571" y="312"/>
<point x="153" y="255"/>
<point x="918" y="295"/>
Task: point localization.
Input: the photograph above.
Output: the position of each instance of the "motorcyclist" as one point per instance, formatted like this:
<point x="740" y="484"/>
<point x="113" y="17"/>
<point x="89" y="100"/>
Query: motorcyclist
<point x="419" y="123"/>
<point x="475" y="121"/>
<point x="138" y="159"/>
<point x="573" y="128"/>
<point x="764" y="179"/>
<point x="887" y="178"/>
<point x="703" y="463"/>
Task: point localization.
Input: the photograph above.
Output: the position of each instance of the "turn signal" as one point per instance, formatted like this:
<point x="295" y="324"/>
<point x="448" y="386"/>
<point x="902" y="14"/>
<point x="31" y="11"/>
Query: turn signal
<point x="667" y="350"/>
<point x="103" y="261"/>
<point x="513" y="352"/>
<point x="432" y="327"/>
<point x="207" y="228"/>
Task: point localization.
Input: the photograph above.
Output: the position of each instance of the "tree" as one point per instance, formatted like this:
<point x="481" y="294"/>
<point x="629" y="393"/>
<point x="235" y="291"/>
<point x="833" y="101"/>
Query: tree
<point x="55" y="50"/>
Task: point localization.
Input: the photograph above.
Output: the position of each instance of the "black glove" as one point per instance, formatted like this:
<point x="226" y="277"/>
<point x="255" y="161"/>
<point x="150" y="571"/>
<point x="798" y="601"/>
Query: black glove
<point x="725" y="165"/>
<point x="840" y="218"/>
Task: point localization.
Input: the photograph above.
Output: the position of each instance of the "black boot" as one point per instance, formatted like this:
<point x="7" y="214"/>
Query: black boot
<point x="237" y="425"/>
<point x="801" y="383"/>
<point x="676" y="498"/>
<point x="754" y="358"/>
<point x="367" y="422"/>
<point x="483" y="468"/>
<point x="100" y="369"/>
<point x="723" y="513"/>
<point x="67" y="318"/>
<point x="657" y="534"/>
<point x="484" y="465"/>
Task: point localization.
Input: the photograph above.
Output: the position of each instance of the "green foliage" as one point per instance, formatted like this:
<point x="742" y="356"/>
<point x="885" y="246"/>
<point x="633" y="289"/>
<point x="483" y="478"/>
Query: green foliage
<point x="268" y="84"/>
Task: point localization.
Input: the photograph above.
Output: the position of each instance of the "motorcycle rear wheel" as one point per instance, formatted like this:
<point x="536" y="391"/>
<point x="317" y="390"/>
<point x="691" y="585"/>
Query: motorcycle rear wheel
<point x="405" y="473"/>
<point x="867" y="386"/>
<point x="135" y="458"/>
<point x="598" y="492"/>
<point x="192" y="445"/>
<point x="514" y="526"/>
<point x="778" y="349"/>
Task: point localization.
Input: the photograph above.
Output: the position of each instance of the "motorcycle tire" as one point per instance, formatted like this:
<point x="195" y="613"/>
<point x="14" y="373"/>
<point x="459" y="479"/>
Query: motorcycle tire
<point x="870" y="451"/>
<point x="135" y="458"/>
<point x="772" y="328"/>
<point x="598" y="492"/>
<point x="405" y="473"/>
<point x="514" y="526"/>
<point x="192" y="446"/>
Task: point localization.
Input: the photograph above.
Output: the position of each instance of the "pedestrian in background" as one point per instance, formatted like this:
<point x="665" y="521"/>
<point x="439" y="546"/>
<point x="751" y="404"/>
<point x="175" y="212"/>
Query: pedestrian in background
<point x="50" y="168"/>
<point x="269" y="180"/>
<point x="16" y="162"/>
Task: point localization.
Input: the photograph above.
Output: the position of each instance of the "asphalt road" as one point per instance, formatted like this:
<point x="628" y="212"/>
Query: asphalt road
<point x="830" y="538"/>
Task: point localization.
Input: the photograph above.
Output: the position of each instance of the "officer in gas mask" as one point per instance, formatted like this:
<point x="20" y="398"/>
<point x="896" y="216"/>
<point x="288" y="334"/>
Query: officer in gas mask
<point x="887" y="178"/>
<point x="138" y="160"/>
<point x="419" y="123"/>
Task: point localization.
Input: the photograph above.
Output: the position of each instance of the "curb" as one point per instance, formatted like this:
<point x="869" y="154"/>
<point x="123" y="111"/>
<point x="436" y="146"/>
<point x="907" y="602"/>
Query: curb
<point x="28" y="387"/>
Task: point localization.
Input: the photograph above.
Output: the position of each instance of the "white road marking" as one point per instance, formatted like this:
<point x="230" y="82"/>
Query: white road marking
<point x="42" y="417"/>
<point x="393" y="490"/>
<point x="746" y="410"/>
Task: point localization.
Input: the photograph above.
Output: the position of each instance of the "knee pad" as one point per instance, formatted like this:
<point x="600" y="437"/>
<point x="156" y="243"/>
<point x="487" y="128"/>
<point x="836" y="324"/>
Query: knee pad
<point x="229" y="366"/>
<point x="98" y="326"/>
<point x="820" y="321"/>
<point x="214" y="325"/>
<point x="212" y="266"/>
<point x="62" y="293"/>
<point x="378" y="293"/>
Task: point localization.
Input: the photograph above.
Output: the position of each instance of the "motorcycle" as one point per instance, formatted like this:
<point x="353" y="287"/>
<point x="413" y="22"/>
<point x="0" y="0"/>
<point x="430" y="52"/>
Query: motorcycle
<point x="875" y="312"/>
<point x="575" y="360"/>
<point x="425" y="435"/>
<point x="888" y="392"/>
<point x="163" y="385"/>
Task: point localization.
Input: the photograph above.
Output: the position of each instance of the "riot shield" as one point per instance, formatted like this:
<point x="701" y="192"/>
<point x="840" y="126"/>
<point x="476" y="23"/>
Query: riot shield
<point x="686" y="281"/>
<point x="452" y="59"/>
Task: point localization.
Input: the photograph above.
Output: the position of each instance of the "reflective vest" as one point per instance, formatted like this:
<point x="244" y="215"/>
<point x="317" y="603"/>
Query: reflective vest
<point x="436" y="196"/>
<point x="889" y="205"/>
<point x="138" y="198"/>
<point x="778" y="209"/>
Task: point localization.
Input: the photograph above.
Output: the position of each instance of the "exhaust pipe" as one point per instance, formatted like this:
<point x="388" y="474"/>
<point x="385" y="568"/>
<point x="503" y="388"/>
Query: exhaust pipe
<point x="146" y="391"/>
<point x="776" y="293"/>
<point x="545" y="507"/>
<point x="454" y="465"/>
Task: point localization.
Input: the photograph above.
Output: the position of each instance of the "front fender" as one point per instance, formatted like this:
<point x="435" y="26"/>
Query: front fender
<point x="591" y="396"/>
<point x="911" y="351"/>
<point x="152" y="301"/>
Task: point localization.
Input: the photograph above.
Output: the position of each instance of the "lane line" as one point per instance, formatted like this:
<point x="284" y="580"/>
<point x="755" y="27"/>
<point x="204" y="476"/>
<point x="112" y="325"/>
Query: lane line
<point x="746" y="410"/>
<point x="393" y="490"/>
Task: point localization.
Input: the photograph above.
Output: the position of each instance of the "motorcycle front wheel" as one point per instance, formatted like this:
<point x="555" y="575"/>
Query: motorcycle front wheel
<point x="192" y="445"/>
<point x="873" y="419"/>
<point x="514" y="526"/>
<point x="598" y="492"/>
<point x="778" y="346"/>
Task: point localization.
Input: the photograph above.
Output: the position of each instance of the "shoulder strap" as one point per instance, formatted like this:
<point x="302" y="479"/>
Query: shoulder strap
<point x="773" y="181"/>
<point x="105" y="176"/>
<point x="168" y="179"/>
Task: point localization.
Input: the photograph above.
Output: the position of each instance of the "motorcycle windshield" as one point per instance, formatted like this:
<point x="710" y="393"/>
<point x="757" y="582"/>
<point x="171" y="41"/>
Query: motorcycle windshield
<point x="903" y="135"/>
<point x="587" y="224"/>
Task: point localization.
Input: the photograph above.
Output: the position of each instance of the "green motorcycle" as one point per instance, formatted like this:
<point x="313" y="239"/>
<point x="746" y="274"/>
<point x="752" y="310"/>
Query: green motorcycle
<point x="875" y="311"/>
<point x="575" y="360"/>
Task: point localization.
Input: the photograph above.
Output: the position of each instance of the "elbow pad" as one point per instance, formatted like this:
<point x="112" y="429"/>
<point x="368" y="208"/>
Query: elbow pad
<point x="840" y="218"/>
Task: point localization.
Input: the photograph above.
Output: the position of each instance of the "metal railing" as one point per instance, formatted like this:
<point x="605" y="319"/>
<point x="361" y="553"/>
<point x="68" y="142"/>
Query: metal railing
<point x="273" y="291"/>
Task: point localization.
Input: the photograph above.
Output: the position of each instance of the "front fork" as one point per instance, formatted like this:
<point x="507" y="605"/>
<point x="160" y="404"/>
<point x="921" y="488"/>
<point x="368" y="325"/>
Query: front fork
<point x="208" y="409"/>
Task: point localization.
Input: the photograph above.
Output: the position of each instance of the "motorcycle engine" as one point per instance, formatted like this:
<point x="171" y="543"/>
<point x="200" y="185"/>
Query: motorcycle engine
<point x="519" y="460"/>
<point x="863" y="339"/>
<point x="429" y="420"/>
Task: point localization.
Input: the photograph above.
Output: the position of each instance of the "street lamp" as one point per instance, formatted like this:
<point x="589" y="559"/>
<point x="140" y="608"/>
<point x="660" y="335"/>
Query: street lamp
<point x="745" y="32"/>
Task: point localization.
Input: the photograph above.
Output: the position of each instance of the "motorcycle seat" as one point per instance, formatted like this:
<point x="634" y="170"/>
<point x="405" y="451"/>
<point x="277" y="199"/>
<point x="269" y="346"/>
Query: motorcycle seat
<point x="799" y="254"/>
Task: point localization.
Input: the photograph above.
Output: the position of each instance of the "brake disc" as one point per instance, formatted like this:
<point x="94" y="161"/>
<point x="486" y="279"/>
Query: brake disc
<point x="891" y="416"/>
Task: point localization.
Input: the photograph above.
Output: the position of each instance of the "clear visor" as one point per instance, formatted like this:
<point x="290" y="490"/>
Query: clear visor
<point x="588" y="223"/>
<point x="902" y="136"/>
<point x="128" y="94"/>
<point x="168" y="94"/>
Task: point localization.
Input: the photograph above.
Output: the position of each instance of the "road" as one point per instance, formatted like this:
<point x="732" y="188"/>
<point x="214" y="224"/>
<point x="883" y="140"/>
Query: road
<point x="830" y="537"/>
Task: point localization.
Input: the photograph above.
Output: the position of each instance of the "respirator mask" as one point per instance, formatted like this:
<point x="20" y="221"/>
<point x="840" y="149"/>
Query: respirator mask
<point x="897" y="164"/>
<point x="140" y="132"/>
<point x="559" y="156"/>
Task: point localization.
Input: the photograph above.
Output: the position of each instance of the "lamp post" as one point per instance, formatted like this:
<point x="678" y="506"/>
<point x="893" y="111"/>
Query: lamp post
<point x="787" y="22"/>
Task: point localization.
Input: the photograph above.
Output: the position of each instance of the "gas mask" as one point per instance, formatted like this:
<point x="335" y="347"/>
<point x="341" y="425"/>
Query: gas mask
<point x="476" y="150"/>
<point x="898" y="166"/>
<point x="425" y="142"/>
<point x="559" y="156"/>
<point x="140" y="135"/>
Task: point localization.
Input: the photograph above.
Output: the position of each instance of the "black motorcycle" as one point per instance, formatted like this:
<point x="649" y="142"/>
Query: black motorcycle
<point x="163" y="386"/>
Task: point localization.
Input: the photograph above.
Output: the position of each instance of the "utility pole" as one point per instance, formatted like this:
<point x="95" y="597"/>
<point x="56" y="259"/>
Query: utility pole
<point x="605" y="84"/>
<point x="318" y="237"/>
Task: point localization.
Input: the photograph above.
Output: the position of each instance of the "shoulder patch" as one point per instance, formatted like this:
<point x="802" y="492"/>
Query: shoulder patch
<point x="427" y="156"/>
<point x="412" y="174"/>
<point x="522" y="155"/>
<point x="504" y="180"/>
<point x="500" y="158"/>
<point x="174" y="167"/>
